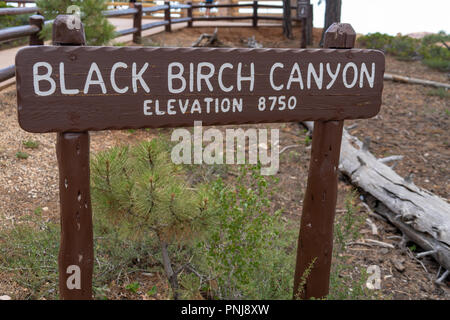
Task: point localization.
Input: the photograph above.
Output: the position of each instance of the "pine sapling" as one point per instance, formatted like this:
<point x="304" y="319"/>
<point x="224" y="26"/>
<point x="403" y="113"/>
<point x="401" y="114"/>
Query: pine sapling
<point x="143" y="188"/>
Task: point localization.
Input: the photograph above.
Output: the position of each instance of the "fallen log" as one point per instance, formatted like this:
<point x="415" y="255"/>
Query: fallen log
<point x="423" y="217"/>
<point x="403" y="79"/>
<point x="211" y="40"/>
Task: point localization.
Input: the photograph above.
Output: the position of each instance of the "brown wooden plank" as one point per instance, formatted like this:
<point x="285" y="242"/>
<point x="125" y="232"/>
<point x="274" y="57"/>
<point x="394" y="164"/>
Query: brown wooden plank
<point x="96" y="110"/>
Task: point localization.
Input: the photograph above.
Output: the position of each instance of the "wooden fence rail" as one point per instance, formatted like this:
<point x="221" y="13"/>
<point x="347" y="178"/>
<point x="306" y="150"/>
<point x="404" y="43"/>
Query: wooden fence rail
<point x="17" y="32"/>
<point x="7" y="73"/>
<point x="32" y="31"/>
<point x="155" y="8"/>
<point x="16" y="11"/>
<point x="21" y="1"/>
<point x="137" y="13"/>
<point x="120" y="12"/>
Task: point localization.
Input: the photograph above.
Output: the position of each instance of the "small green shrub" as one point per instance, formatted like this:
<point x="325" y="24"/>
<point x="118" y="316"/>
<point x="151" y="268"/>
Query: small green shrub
<point x="152" y="291"/>
<point x="347" y="226"/>
<point x="435" y="38"/>
<point x="436" y="57"/>
<point x="30" y="144"/>
<point x="439" y="92"/>
<point x="435" y="52"/>
<point x="143" y="191"/>
<point x="30" y="252"/>
<point x="377" y="40"/>
<point x="247" y="249"/>
<point x="133" y="287"/>
<point x="22" y="155"/>
<point x="346" y="229"/>
<point x="403" y="47"/>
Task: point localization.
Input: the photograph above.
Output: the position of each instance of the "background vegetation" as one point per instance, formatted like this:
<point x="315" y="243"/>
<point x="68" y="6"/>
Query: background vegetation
<point x="432" y="49"/>
<point x="221" y="239"/>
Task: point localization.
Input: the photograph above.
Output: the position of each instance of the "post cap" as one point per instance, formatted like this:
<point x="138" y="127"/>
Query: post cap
<point x="36" y="17"/>
<point x="340" y="35"/>
<point x="68" y="30"/>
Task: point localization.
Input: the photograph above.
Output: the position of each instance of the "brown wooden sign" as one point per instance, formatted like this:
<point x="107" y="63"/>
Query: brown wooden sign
<point x="76" y="89"/>
<point x="71" y="89"/>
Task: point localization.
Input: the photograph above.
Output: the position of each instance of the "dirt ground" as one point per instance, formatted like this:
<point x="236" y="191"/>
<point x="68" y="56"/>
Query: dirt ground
<point x="411" y="123"/>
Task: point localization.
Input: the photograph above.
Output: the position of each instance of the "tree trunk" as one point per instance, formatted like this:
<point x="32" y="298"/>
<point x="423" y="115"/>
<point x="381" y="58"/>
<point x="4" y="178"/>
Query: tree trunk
<point x="332" y="15"/>
<point x="171" y="275"/>
<point x="287" y="21"/>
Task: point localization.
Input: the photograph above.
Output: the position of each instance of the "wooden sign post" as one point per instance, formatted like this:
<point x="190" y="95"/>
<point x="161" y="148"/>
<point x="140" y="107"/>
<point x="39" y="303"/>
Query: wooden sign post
<point x="76" y="254"/>
<point x="315" y="242"/>
<point x="71" y="89"/>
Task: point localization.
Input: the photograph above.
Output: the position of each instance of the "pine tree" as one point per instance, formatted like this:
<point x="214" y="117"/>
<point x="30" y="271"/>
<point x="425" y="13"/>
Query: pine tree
<point x="141" y="187"/>
<point x="97" y="28"/>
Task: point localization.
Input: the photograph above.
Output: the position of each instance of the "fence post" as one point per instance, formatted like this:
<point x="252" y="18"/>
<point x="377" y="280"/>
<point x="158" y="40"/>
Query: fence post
<point x="189" y="13"/>
<point x="167" y="17"/>
<point x="137" y="23"/>
<point x="315" y="242"/>
<point x="255" y="13"/>
<point x="287" y="21"/>
<point x="38" y="21"/>
<point x="303" y="37"/>
<point x="76" y="254"/>
<point x="310" y="25"/>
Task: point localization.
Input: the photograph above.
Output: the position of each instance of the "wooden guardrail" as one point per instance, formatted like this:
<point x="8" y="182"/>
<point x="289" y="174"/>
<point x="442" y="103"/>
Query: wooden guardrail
<point x="17" y="11"/>
<point x="20" y="1"/>
<point x="36" y="22"/>
<point x="32" y="31"/>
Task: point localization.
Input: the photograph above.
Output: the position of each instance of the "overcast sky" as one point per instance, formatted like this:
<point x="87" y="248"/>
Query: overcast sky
<point x="391" y="16"/>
